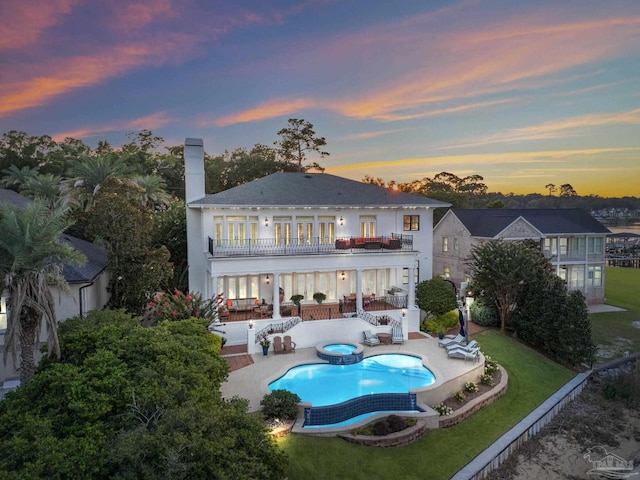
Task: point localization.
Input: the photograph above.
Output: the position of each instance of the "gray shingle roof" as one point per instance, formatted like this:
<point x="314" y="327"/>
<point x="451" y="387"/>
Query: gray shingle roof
<point x="96" y="256"/>
<point x="490" y="222"/>
<point x="287" y="189"/>
<point x="95" y="264"/>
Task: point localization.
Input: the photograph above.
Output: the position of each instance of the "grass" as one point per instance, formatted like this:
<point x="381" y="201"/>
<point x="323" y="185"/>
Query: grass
<point x="440" y="453"/>
<point x="614" y="332"/>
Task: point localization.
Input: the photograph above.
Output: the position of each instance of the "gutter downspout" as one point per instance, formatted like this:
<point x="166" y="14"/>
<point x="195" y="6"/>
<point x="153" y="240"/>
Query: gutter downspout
<point x="80" y="295"/>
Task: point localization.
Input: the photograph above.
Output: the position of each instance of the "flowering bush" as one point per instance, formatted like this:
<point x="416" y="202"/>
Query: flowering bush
<point x="490" y="366"/>
<point x="471" y="387"/>
<point x="443" y="409"/>
<point x="460" y="396"/>
<point x="181" y="306"/>
<point x="486" y="379"/>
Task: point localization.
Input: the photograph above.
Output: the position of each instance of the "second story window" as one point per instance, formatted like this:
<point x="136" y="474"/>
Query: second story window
<point x="367" y="225"/>
<point x="304" y="227"/>
<point x="595" y="245"/>
<point x="411" y="223"/>
<point x="445" y="244"/>
<point x="326" y="229"/>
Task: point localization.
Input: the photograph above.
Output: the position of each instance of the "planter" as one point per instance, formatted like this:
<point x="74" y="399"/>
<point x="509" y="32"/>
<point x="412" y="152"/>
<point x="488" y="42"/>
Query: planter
<point x="265" y="350"/>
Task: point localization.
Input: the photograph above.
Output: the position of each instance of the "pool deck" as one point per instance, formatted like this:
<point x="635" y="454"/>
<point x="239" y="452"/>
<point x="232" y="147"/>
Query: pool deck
<point x="251" y="381"/>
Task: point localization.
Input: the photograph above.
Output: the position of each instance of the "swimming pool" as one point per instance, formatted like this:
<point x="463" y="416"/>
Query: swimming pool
<point x="375" y="377"/>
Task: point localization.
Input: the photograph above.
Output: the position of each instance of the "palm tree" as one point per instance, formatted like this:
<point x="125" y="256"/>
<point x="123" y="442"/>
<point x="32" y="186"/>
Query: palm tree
<point x="152" y="190"/>
<point x="32" y="254"/>
<point x="14" y="177"/>
<point x="89" y="173"/>
<point x="46" y="187"/>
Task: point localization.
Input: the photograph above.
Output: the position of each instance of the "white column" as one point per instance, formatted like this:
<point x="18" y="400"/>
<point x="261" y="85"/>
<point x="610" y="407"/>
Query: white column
<point x="276" y="296"/>
<point x="213" y="288"/>
<point x="411" y="297"/>
<point x="359" y="290"/>
<point x="251" y="340"/>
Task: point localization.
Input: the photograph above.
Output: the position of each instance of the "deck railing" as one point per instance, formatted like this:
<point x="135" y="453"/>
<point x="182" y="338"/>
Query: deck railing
<point x="309" y="246"/>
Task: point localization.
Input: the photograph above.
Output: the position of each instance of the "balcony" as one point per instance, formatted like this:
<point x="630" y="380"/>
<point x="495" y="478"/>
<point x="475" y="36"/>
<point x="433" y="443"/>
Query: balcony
<point x="312" y="246"/>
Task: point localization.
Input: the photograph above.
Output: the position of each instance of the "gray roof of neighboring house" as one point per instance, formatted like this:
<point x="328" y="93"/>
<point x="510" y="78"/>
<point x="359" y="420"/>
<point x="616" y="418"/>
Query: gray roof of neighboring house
<point x="289" y="189"/>
<point x="96" y="256"/>
<point x="96" y="261"/>
<point x="490" y="222"/>
<point x="12" y="197"/>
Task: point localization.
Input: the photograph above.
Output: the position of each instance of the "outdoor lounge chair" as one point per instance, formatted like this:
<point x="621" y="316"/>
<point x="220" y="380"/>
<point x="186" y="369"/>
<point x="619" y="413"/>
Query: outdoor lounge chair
<point x="277" y="345"/>
<point x="473" y="354"/>
<point x="289" y="346"/>
<point x="396" y="334"/>
<point x="457" y="340"/>
<point x="370" y="339"/>
<point x="472" y="344"/>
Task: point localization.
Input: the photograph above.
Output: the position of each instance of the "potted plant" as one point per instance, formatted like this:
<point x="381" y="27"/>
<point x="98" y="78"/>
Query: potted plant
<point x="265" y="343"/>
<point x="383" y="320"/>
<point x="297" y="298"/>
<point x="440" y="331"/>
<point x="319" y="297"/>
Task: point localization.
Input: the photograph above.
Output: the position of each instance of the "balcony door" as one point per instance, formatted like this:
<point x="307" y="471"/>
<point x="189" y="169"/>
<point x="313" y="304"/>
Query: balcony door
<point x="326" y="229"/>
<point x="304" y="229"/>
<point x="282" y="230"/>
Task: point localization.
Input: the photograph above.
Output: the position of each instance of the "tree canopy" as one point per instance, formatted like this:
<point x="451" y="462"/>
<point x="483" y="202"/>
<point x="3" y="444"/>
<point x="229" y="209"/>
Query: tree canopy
<point x="126" y="401"/>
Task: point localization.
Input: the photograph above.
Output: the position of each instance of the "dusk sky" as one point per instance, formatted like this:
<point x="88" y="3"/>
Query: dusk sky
<point x="523" y="93"/>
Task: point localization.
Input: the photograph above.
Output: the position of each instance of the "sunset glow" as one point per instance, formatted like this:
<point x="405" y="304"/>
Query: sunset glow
<point x="523" y="93"/>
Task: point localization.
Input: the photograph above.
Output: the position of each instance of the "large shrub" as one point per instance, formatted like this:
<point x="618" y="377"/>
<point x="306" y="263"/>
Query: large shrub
<point x="436" y="296"/>
<point x="443" y="322"/>
<point x="484" y="315"/>
<point x="280" y="404"/>
<point x="180" y="306"/>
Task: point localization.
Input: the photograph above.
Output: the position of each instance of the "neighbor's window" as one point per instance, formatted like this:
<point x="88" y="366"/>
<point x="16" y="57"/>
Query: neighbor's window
<point x="456" y="245"/>
<point x="594" y="278"/>
<point x="445" y="244"/>
<point x="447" y="272"/>
<point x="411" y="223"/>
<point x="595" y="245"/>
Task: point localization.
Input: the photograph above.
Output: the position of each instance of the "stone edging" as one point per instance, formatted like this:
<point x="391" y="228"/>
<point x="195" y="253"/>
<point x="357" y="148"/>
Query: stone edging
<point x="402" y="437"/>
<point x="477" y="403"/>
<point x="416" y="432"/>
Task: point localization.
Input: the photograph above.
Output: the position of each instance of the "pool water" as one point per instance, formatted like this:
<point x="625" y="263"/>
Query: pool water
<point x="325" y="384"/>
<point x="343" y="348"/>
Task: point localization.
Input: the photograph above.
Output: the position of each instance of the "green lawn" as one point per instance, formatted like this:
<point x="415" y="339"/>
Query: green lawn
<point x="614" y="331"/>
<point x="440" y="453"/>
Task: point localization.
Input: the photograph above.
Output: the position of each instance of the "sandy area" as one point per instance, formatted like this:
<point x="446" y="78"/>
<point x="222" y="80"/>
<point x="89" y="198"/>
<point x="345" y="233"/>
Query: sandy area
<point x="558" y="452"/>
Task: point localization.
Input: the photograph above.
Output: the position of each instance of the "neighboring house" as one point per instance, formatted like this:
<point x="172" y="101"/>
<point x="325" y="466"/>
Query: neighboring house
<point x="572" y="239"/>
<point x="87" y="283"/>
<point x="304" y="233"/>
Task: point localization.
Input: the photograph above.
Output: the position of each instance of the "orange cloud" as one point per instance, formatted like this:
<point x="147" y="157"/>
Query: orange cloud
<point x="270" y="109"/>
<point x="64" y="75"/>
<point x="555" y="129"/>
<point x="150" y="122"/>
<point x="22" y="23"/>
<point x="136" y="15"/>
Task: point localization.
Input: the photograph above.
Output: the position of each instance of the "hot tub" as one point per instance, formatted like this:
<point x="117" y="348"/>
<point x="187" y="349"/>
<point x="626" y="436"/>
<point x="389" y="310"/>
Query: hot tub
<point x="340" y="353"/>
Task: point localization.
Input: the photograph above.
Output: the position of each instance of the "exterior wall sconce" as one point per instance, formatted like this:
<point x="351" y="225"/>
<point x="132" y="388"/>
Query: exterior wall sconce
<point x="267" y="280"/>
<point x="250" y="324"/>
<point x="342" y="276"/>
<point x="341" y="221"/>
<point x="404" y="312"/>
<point x="266" y="221"/>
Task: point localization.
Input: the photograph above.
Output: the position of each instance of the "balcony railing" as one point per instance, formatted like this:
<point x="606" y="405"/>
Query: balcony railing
<point x="309" y="246"/>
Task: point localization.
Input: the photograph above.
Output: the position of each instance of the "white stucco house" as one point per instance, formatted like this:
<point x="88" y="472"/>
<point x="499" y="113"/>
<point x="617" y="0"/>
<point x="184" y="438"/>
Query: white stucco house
<point x="305" y="233"/>
<point x="87" y="285"/>
<point x="572" y="240"/>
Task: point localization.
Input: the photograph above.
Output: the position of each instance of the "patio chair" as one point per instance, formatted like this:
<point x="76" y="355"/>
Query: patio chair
<point x="370" y="339"/>
<point x="457" y="340"/>
<point x="473" y="354"/>
<point x="289" y="346"/>
<point x="472" y="344"/>
<point x="396" y="334"/>
<point x="277" y="345"/>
